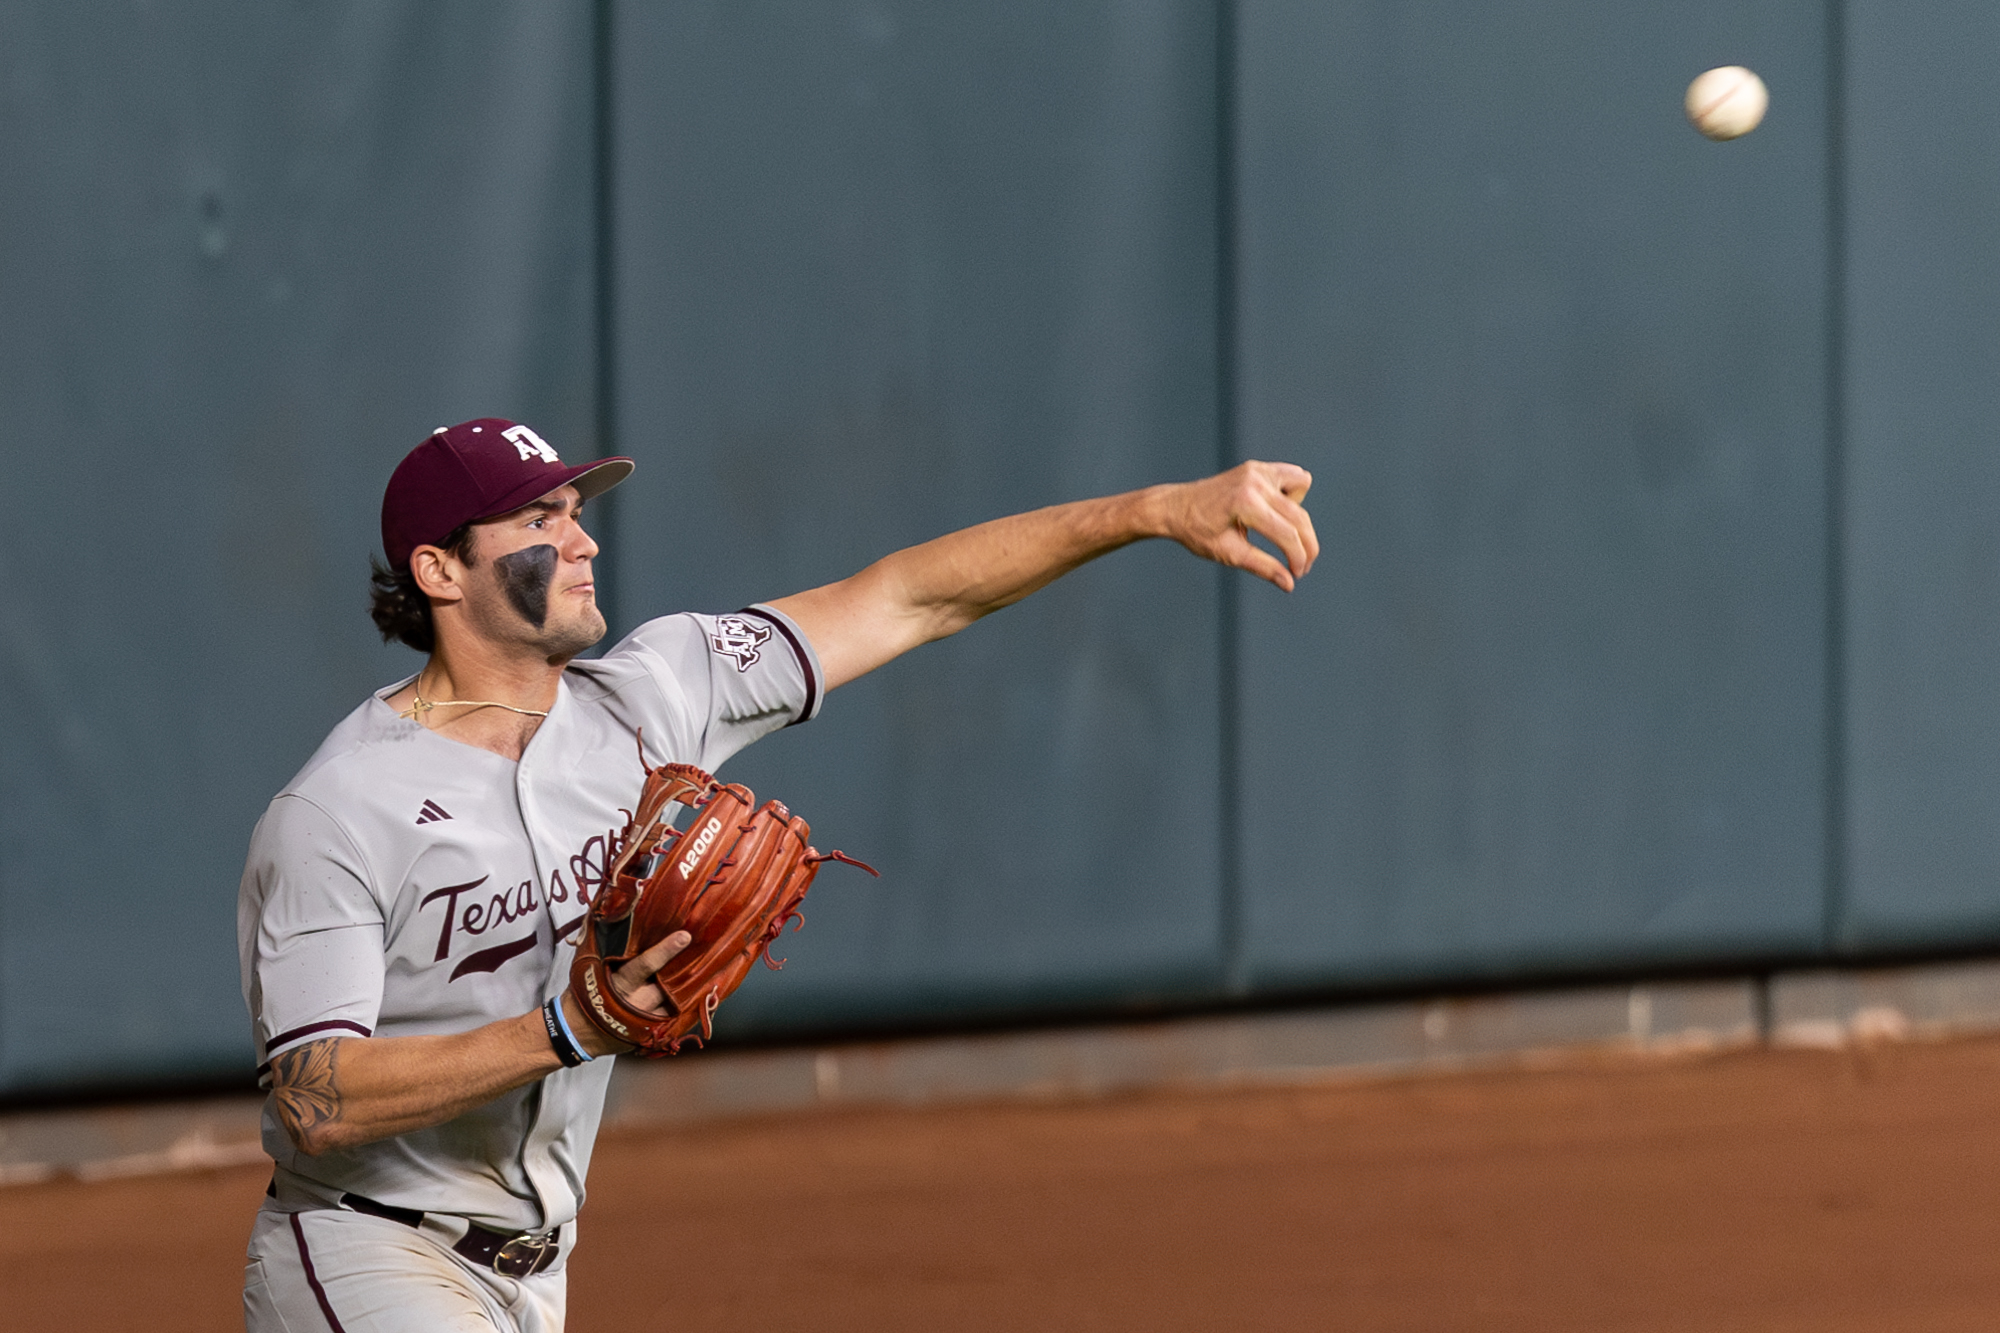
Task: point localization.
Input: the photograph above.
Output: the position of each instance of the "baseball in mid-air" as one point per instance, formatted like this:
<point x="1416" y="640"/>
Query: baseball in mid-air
<point x="1727" y="102"/>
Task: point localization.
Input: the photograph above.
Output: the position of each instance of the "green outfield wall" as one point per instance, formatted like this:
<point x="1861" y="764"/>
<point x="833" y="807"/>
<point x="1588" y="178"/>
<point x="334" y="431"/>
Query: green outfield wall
<point x="1658" y="614"/>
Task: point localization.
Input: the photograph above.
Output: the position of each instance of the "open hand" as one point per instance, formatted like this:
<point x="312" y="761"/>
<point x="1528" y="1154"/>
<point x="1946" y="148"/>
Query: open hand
<point x="636" y="984"/>
<point x="635" y="981"/>
<point x="1215" y="517"/>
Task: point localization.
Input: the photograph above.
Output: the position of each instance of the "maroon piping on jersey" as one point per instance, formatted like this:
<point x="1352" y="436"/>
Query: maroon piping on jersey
<point x="312" y="1278"/>
<point x="799" y="651"/>
<point x="307" y="1031"/>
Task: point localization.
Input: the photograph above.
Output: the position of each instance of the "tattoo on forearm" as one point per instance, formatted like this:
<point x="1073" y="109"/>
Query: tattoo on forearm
<point x="306" y="1083"/>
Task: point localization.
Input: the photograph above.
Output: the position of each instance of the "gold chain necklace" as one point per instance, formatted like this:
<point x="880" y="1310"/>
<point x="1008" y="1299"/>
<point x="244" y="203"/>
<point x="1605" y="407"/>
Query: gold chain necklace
<point x="420" y="705"/>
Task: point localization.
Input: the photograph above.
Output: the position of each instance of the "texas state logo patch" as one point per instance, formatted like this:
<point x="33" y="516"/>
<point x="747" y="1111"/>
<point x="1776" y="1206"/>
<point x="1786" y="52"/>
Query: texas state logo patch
<point x="740" y="639"/>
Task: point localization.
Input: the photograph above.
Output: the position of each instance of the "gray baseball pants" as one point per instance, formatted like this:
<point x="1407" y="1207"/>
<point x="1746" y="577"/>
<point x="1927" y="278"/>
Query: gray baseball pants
<point x="328" y="1270"/>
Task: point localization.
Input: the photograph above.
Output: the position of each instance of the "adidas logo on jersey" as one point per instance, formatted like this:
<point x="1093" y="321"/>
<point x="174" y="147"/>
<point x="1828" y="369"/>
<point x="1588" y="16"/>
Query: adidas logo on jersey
<point x="432" y="812"/>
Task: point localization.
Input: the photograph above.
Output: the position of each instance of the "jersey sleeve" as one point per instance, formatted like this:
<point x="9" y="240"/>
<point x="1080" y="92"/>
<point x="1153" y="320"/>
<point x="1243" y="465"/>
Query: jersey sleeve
<point x="739" y="677"/>
<point x="309" y="931"/>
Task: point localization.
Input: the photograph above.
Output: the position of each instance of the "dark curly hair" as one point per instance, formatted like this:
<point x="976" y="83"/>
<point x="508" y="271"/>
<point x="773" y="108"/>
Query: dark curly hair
<point x="399" y="606"/>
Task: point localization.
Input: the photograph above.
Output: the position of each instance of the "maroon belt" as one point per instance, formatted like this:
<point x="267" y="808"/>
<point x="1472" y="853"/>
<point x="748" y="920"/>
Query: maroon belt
<point x="510" y="1254"/>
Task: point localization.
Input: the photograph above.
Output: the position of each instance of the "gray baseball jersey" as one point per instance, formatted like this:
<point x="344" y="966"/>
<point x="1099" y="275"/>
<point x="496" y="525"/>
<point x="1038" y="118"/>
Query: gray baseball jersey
<point x="405" y="884"/>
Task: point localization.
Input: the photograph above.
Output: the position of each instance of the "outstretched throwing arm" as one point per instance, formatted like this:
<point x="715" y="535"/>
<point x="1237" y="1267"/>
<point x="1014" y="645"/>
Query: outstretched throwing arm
<point x="932" y="591"/>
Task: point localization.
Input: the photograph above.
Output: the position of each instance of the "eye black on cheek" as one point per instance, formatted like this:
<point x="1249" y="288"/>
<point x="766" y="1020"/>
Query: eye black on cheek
<point x="525" y="576"/>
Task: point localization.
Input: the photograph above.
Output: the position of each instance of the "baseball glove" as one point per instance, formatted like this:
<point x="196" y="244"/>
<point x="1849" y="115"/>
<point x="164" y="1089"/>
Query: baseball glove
<point x="733" y="879"/>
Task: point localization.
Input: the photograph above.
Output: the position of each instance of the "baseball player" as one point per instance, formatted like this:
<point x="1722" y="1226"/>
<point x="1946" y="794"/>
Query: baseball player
<point x="412" y="898"/>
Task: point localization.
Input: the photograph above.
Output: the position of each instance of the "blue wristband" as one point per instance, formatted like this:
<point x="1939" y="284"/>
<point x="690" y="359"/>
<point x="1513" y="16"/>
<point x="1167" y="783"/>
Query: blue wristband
<point x="567" y="1048"/>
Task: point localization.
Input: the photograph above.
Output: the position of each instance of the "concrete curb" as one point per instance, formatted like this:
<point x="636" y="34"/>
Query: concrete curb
<point x="1298" y="1047"/>
<point x="1816" y="1009"/>
<point x="107" y="1142"/>
<point x="1832" y="1009"/>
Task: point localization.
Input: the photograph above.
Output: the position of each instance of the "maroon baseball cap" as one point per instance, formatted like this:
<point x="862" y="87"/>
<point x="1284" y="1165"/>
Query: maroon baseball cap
<point x="476" y="470"/>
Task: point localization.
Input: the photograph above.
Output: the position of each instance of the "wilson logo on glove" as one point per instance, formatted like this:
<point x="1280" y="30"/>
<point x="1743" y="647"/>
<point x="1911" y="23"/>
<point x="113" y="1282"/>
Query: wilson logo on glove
<point x="734" y="889"/>
<point x="594" y="1004"/>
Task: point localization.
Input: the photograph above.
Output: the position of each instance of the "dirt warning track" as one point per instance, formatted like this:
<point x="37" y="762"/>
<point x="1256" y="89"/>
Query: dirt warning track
<point x="1756" y="1191"/>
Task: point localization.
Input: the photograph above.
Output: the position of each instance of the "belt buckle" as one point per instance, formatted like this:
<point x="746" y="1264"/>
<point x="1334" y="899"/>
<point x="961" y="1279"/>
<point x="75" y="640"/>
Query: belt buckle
<point x="520" y="1256"/>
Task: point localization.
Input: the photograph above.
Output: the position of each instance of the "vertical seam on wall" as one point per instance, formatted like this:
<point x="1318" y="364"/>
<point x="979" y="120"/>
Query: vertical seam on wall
<point x="1229" y="834"/>
<point x="604" y="311"/>
<point x="1835" y="721"/>
<point x="4" y="1080"/>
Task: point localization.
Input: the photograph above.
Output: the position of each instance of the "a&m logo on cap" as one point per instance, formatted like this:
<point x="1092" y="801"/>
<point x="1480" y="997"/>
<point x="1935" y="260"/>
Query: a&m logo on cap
<point x="530" y="444"/>
<point x="526" y="442"/>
